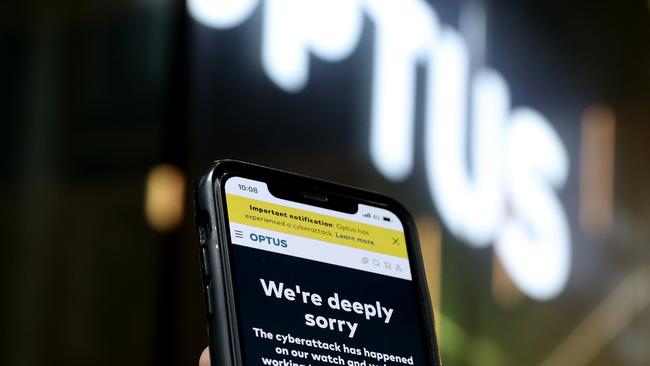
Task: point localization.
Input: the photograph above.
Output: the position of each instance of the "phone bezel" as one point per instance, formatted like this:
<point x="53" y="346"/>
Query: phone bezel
<point x="218" y="174"/>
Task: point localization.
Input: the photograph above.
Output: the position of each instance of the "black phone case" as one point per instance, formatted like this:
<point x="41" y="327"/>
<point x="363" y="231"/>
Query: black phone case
<point x="210" y="217"/>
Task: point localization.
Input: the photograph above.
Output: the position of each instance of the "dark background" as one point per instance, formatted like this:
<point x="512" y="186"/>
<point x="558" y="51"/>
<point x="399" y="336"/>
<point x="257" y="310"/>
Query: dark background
<point x="95" y="95"/>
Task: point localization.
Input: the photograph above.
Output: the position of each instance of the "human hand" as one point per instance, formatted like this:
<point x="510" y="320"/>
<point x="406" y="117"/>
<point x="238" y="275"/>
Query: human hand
<point x="204" y="360"/>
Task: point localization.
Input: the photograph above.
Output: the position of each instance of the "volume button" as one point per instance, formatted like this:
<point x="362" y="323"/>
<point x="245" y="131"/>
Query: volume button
<point x="205" y="269"/>
<point x="209" y="303"/>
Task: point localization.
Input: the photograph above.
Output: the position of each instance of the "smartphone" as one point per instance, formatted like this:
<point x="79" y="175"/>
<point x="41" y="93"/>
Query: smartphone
<point x="302" y="272"/>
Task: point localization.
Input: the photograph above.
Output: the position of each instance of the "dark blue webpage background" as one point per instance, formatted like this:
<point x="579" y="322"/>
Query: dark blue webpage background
<point x="401" y="337"/>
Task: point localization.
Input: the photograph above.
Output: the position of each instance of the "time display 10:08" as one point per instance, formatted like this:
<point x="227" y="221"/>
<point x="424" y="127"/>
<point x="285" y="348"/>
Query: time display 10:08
<point x="246" y="188"/>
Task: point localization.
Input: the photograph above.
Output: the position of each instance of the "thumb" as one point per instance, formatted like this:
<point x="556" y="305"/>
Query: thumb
<point x="204" y="360"/>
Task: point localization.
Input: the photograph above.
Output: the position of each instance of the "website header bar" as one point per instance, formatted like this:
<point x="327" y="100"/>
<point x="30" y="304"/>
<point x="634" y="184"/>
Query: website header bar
<point x="320" y="251"/>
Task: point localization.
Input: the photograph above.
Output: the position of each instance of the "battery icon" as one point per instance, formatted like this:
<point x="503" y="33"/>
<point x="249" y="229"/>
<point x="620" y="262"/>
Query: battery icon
<point x="386" y="218"/>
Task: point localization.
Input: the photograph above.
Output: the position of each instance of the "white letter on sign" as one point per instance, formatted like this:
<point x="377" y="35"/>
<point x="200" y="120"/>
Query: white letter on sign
<point x="534" y="244"/>
<point x="329" y="29"/>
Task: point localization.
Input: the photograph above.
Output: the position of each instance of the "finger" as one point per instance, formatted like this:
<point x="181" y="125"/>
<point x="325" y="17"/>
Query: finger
<point x="205" y="358"/>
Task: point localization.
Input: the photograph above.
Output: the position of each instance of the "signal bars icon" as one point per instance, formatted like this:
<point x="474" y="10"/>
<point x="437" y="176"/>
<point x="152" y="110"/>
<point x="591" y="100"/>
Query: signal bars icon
<point x="367" y="215"/>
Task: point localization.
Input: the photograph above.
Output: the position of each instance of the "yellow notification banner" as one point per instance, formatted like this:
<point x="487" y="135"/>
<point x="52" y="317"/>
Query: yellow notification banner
<point x="289" y="220"/>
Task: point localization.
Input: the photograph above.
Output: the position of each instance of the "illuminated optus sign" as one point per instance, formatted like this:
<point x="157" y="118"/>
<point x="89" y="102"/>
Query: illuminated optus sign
<point x="518" y="161"/>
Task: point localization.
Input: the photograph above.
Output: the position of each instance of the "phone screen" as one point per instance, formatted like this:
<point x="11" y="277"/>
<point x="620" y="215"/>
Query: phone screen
<point x="317" y="286"/>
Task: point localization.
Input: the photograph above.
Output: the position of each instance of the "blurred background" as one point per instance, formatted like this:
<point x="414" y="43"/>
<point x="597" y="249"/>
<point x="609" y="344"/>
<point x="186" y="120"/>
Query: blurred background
<point x="516" y="132"/>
